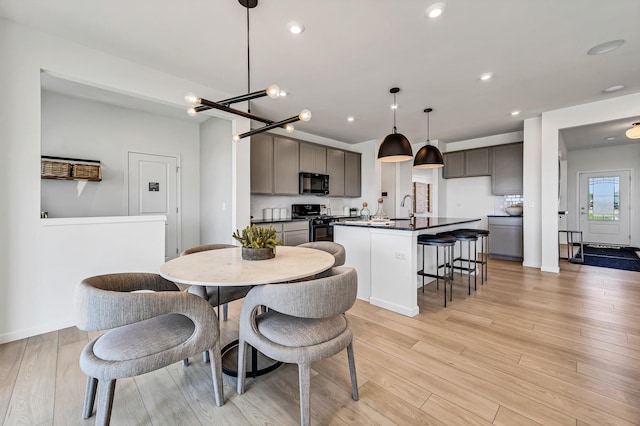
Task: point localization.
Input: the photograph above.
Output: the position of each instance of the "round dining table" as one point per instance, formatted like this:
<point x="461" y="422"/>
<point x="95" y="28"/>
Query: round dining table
<point x="226" y="267"/>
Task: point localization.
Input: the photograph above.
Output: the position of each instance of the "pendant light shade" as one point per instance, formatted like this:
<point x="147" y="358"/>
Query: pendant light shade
<point x="395" y="147"/>
<point x="634" y="131"/>
<point x="429" y="156"/>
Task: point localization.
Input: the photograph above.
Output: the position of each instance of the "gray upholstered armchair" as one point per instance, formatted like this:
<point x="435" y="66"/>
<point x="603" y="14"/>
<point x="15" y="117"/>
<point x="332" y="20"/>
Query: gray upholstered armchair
<point x="305" y="322"/>
<point x="147" y="331"/>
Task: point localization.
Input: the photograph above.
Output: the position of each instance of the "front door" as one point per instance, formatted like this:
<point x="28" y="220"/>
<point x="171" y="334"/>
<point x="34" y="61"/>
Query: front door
<point x="604" y="208"/>
<point x="153" y="190"/>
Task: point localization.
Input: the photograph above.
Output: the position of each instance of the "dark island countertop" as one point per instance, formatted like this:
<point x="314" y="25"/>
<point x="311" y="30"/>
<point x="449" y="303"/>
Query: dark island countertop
<point x="418" y="224"/>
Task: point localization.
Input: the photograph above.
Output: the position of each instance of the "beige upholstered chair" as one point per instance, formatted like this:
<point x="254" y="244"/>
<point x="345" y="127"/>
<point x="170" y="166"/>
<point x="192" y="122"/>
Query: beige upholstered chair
<point x="305" y="322"/>
<point x="217" y="295"/>
<point x="147" y="331"/>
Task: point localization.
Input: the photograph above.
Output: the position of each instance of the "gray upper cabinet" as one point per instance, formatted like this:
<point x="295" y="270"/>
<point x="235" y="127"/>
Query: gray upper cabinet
<point x="285" y="166"/>
<point x="352" y="171"/>
<point x="453" y="164"/>
<point x="507" y="169"/>
<point x="477" y="162"/>
<point x="276" y="162"/>
<point x="467" y="163"/>
<point x="335" y="170"/>
<point x="262" y="164"/>
<point x="313" y="158"/>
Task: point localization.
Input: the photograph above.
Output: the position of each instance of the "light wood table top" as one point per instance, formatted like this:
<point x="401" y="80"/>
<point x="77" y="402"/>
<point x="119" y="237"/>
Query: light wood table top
<point x="225" y="267"/>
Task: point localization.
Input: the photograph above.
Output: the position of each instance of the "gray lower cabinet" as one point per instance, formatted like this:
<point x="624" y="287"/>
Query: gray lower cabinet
<point x="505" y="237"/>
<point x="506" y="169"/>
<point x="292" y="233"/>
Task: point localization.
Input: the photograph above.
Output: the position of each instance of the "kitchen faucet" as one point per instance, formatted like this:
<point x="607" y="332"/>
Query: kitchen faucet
<point x="411" y="208"/>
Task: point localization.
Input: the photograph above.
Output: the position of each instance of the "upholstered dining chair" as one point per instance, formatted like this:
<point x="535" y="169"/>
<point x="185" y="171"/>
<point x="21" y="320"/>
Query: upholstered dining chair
<point x="217" y="296"/>
<point x="305" y="322"/>
<point x="147" y="330"/>
<point x="337" y="250"/>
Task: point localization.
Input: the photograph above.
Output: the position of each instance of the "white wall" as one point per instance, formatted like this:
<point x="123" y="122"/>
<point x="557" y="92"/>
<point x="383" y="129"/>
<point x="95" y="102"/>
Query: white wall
<point x="601" y="159"/>
<point x="23" y="240"/>
<point x="531" y="224"/>
<point x="79" y="128"/>
<point x="216" y="151"/>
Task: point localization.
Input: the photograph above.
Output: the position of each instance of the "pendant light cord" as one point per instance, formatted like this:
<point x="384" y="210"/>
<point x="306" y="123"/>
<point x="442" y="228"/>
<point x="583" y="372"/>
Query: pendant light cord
<point x="248" y="63"/>
<point x="395" y="107"/>
<point x="428" y="127"/>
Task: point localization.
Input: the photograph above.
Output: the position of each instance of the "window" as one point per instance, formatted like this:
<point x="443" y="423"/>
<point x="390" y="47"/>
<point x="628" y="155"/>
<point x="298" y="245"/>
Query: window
<point x="604" y="198"/>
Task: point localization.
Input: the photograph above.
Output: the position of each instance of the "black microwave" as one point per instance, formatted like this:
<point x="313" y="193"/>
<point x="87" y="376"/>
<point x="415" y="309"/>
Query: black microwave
<point x="314" y="183"/>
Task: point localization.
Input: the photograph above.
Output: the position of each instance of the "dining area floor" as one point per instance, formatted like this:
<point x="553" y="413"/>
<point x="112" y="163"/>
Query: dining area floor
<point x="527" y="347"/>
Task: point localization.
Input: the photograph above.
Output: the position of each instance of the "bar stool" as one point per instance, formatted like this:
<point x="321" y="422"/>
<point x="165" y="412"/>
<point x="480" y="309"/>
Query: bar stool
<point x="447" y="243"/>
<point x="465" y="236"/>
<point x="483" y="234"/>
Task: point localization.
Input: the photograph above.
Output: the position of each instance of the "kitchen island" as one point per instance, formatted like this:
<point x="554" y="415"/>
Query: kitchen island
<point x="387" y="257"/>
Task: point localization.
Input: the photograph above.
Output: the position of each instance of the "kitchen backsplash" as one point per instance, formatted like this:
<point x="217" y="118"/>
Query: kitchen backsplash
<point x="504" y="201"/>
<point x="334" y="206"/>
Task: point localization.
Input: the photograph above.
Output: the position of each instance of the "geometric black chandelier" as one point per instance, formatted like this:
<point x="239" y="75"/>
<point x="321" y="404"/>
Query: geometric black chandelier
<point x="197" y="104"/>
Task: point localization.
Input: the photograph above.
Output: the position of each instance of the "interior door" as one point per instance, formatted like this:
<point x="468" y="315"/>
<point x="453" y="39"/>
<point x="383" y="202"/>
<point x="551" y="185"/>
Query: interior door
<point x="153" y="190"/>
<point x="604" y="208"/>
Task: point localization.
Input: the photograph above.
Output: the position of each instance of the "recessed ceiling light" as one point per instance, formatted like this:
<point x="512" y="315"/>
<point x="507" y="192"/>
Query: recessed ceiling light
<point x="613" y="88"/>
<point x="350" y="119"/>
<point x="486" y="76"/>
<point x="514" y="113"/>
<point x="283" y="93"/>
<point x="295" y="27"/>
<point x="611" y="138"/>
<point x="434" y="10"/>
<point x="606" y="47"/>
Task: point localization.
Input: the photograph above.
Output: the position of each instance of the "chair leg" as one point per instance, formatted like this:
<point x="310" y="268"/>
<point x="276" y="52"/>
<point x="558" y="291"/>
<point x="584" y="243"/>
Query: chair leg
<point x="352" y="372"/>
<point x="185" y="362"/>
<point x="225" y="311"/>
<point x="106" y="389"/>
<point x="242" y="365"/>
<point x="304" y="378"/>
<point x="216" y="373"/>
<point x="89" y="397"/>
<point x="205" y="357"/>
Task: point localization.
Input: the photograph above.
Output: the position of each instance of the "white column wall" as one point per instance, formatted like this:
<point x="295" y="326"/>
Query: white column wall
<point x="531" y="193"/>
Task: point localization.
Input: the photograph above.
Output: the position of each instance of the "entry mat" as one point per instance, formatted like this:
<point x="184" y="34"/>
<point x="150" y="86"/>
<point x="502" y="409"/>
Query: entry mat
<point x="610" y="256"/>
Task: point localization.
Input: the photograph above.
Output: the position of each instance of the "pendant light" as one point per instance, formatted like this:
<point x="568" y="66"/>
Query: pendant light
<point x="395" y="147"/>
<point x="429" y="156"/>
<point x="634" y="131"/>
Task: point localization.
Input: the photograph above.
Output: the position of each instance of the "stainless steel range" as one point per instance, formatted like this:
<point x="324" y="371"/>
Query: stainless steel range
<point x="320" y="226"/>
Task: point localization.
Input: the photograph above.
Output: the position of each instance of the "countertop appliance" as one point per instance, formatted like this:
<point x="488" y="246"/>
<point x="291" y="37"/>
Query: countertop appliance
<point x="320" y="226"/>
<point x="314" y="183"/>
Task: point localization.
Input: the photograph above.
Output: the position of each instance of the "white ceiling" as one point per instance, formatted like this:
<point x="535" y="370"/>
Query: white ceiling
<point x="354" y="51"/>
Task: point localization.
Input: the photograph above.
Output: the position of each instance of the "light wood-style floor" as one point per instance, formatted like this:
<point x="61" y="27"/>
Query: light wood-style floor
<point x="527" y="348"/>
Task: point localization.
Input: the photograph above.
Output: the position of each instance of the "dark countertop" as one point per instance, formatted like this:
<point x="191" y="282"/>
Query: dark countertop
<point x="419" y="224"/>
<point x="502" y="215"/>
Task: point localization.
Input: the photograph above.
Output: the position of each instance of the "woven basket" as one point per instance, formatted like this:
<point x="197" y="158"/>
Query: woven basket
<point x="54" y="169"/>
<point x="85" y="171"/>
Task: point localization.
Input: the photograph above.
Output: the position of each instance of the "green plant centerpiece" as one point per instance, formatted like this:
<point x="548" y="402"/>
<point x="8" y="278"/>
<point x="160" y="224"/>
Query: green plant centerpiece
<point x="258" y="243"/>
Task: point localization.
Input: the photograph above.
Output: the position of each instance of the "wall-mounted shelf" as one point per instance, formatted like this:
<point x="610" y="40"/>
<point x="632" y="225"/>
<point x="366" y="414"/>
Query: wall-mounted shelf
<point x="63" y="168"/>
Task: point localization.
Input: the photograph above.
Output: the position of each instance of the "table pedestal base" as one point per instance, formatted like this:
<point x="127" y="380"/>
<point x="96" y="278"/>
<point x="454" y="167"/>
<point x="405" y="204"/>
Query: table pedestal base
<point x="258" y="364"/>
